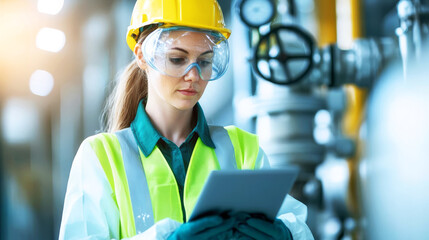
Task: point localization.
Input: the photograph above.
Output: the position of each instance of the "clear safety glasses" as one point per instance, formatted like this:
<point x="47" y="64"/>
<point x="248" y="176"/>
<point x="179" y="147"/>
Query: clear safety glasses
<point x="175" y="51"/>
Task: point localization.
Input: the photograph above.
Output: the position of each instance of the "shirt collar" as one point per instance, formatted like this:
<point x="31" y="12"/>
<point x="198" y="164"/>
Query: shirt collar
<point x="202" y="128"/>
<point x="147" y="136"/>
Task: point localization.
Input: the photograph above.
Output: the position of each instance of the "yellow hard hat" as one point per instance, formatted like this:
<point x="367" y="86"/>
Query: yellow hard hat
<point x="202" y="14"/>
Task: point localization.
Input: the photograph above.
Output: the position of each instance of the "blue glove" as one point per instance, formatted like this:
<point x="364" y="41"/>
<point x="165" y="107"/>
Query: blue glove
<point x="212" y="227"/>
<point x="260" y="229"/>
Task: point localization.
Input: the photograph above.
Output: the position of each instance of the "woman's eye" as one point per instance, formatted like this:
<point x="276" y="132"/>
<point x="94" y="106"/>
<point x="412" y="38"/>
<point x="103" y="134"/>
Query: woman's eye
<point x="205" y="63"/>
<point x="177" y="61"/>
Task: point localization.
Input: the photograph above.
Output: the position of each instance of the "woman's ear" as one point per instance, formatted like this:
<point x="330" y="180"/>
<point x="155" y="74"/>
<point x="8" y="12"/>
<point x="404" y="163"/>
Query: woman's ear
<point x="139" y="56"/>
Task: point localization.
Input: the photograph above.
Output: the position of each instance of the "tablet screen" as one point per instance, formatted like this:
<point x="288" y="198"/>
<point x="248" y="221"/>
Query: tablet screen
<point x="251" y="191"/>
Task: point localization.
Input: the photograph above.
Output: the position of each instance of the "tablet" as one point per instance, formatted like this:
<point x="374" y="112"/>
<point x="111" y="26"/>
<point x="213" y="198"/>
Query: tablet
<point x="252" y="191"/>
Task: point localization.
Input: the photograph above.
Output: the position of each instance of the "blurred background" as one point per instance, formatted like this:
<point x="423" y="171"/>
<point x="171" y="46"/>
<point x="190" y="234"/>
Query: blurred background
<point x="336" y="87"/>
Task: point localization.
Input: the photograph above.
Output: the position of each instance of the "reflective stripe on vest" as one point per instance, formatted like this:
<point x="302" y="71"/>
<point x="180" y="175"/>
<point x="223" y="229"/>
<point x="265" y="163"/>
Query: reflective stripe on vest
<point x="225" y="151"/>
<point x="137" y="183"/>
<point x="108" y="150"/>
<point x="150" y="180"/>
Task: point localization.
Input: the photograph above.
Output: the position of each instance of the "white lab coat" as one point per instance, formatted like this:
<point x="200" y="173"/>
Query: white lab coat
<point x="90" y="212"/>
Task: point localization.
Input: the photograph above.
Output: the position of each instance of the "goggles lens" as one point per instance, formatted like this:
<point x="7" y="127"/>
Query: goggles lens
<point x="177" y="50"/>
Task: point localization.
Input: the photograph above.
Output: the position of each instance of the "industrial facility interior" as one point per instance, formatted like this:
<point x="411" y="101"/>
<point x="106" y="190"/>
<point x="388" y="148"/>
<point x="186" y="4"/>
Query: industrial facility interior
<point x="339" y="88"/>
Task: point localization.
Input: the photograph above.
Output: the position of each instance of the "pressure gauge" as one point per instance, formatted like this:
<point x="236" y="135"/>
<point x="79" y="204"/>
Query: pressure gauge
<point x="255" y="13"/>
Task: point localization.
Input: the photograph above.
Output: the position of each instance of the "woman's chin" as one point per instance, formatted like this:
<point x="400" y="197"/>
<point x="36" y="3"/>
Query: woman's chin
<point x="185" y="104"/>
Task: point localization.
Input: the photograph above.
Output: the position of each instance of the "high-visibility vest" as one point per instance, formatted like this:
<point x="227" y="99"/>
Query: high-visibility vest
<point x="145" y="189"/>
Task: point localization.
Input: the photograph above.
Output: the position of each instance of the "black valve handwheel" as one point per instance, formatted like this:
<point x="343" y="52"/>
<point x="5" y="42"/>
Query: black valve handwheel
<point x="283" y="56"/>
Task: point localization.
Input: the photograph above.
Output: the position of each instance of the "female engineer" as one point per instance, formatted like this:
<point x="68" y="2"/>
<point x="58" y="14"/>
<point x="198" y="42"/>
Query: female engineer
<point x="141" y="179"/>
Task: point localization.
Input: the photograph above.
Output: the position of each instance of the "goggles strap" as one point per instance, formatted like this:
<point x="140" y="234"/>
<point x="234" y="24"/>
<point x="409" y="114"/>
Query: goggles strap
<point x="144" y="28"/>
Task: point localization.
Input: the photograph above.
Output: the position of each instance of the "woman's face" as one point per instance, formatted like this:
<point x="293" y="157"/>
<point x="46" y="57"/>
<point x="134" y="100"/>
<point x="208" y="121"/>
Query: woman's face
<point x="184" y="48"/>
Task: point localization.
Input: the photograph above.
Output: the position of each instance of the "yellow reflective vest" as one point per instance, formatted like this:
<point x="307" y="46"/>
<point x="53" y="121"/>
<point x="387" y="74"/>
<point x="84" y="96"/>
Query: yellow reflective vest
<point x="145" y="189"/>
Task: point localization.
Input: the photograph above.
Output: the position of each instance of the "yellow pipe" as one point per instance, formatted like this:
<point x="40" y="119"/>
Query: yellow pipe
<point x="357" y="96"/>
<point x="357" y="19"/>
<point x="353" y="119"/>
<point x="352" y="122"/>
<point x="355" y="110"/>
<point x="327" y="20"/>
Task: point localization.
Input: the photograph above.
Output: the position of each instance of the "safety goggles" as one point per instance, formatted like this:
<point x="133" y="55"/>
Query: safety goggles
<point x="175" y="51"/>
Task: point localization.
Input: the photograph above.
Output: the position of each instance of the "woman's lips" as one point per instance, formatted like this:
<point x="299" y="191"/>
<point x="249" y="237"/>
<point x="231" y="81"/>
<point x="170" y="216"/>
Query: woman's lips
<point x="188" y="92"/>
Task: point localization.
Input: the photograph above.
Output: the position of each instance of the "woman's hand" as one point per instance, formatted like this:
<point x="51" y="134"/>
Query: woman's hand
<point x="260" y="229"/>
<point x="212" y="227"/>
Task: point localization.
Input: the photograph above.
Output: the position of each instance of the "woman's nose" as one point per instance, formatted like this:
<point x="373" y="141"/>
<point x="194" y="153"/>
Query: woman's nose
<point x="193" y="74"/>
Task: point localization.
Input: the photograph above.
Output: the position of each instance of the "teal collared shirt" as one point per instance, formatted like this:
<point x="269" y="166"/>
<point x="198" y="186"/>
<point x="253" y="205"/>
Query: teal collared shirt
<point x="177" y="157"/>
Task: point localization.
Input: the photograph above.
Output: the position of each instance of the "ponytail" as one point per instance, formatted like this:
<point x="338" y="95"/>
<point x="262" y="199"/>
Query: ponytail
<point x="121" y="107"/>
<point x="122" y="104"/>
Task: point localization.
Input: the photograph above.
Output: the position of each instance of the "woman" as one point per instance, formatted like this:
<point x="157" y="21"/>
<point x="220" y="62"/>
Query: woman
<point x="141" y="180"/>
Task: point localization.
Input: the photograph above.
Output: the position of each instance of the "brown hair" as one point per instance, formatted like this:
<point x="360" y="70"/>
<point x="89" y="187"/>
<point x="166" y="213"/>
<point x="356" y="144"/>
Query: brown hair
<point x="131" y="87"/>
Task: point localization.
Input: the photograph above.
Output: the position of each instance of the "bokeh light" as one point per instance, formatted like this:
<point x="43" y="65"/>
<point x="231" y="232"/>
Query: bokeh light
<point x="52" y="7"/>
<point x="41" y="83"/>
<point x="50" y="39"/>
